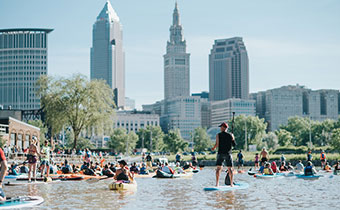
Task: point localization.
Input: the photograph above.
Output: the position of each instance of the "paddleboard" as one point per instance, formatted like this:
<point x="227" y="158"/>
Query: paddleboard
<point x="237" y="186"/>
<point x="262" y="176"/>
<point x="21" y="202"/>
<point x="308" y="177"/>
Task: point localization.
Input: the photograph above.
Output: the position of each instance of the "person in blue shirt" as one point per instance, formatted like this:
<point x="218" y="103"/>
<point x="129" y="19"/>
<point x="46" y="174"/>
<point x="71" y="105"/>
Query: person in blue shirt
<point x="262" y="167"/>
<point x="24" y="169"/>
<point x="67" y="168"/>
<point x="143" y="169"/>
<point x="240" y="159"/>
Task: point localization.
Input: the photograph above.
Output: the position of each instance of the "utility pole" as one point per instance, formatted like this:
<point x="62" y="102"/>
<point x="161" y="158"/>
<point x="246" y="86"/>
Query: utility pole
<point x="245" y="134"/>
<point x="310" y="132"/>
<point x="150" y="140"/>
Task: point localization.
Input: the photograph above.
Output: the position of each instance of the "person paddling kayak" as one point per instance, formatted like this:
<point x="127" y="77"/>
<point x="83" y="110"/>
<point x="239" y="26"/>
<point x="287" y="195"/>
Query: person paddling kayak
<point x="224" y="141"/>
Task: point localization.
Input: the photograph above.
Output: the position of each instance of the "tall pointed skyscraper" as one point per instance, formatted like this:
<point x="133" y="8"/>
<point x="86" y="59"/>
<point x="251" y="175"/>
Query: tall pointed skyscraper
<point x="107" y="55"/>
<point x="176" y="62"/>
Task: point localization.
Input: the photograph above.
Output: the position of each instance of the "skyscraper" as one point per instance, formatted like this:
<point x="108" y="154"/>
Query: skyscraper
<point x="23" y="59"/>
<point x="176" y="62"/>
<point x="228" y="70"/>
<point x="107" y="55"/>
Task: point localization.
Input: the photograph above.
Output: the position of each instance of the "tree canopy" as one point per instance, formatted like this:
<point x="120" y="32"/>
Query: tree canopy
<point x="76" y="102"/>
<point x="174" y="142"/>
<point x="202" y="141"/>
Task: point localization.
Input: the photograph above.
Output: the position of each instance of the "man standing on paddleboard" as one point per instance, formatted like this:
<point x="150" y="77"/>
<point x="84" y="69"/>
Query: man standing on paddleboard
<point x="224" y="141"/>
<point x="3" y="171"/>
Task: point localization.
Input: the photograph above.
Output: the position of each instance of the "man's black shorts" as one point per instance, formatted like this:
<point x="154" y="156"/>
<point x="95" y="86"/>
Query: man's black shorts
<point x="228" y="158"/>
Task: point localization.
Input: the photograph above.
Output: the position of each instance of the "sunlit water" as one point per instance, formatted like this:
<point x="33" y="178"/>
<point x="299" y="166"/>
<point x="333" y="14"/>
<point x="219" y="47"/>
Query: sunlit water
<point x="280" y="193"/>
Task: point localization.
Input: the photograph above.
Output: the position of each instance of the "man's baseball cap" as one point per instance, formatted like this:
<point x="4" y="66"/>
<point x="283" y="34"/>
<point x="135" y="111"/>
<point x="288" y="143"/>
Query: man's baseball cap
<point x="223" y="125"/>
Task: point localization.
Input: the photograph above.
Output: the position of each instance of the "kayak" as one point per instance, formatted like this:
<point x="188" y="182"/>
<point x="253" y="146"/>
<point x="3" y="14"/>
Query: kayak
<point x="237" y="186"/>
<point x="150" y="175"/>
<point x="22" y="183"/>
<point x="39" y="179"/>
<point x="21" y="202"/>
<point x="186" y="175"/>
<point x="301" y="176"/>
<point x="13" y="176"/>
<point x="121" y="185"/>
<point x="289" y="174"/>
<point x="263" y="176"/>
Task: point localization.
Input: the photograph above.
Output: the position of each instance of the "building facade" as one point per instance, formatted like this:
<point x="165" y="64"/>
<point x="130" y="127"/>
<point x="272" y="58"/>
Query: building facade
<point x="23" y="59"/>
<point x="176" y="62"/>
<point x="277" y="105"/>
<point x="222" y="111"/>
<point x="183" y="113"/>
<point x="107" y="55"/>
<point x="228" y="70"/>
<point x="134" y="120"/>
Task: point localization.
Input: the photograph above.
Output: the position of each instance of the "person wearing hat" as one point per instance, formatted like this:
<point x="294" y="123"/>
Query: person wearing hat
<point x="32" y="158"/>
<point x="123" y="174"/>
<point x="224" y="141"/>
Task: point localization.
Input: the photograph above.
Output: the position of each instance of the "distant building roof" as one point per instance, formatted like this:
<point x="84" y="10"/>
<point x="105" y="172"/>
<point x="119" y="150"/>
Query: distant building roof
<point x="26" y="29"/>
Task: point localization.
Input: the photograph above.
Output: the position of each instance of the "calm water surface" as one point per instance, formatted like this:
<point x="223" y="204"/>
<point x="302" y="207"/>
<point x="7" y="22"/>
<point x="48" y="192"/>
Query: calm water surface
<point x="281" y="193"/>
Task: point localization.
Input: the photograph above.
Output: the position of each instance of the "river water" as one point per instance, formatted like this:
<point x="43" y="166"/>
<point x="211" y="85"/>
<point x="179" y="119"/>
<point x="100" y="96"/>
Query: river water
<point x="281" y="193"/>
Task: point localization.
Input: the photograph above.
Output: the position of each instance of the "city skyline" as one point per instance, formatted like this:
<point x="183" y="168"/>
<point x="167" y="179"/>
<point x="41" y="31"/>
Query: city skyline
<point x="283" y="39"/>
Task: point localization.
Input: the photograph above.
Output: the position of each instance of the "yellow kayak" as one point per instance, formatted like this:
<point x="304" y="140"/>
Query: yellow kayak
<point x="119" y="185"/>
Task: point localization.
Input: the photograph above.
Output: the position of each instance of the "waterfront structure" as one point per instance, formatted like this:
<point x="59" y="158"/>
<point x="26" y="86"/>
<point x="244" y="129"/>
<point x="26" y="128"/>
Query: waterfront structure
<point x="228" y="70"/>
<point x="134" y="120"/>
<point x="107" y="54"/>
<point x="23" y="59"/>
<point x="183" y="113"/>
<point x="277" y="105"/>
<point x="222" y="111"/>
<point x="176" y="62"/>
<point x="17" y="133"/>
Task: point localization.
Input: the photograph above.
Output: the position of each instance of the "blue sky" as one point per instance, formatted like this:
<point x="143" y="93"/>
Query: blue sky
<point x="288" y="42"/>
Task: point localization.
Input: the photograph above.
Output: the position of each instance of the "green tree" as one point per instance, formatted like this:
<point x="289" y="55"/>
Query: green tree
<point x="120" y="140"/>
<point x="43" y="129"/>
<point x="76" y="102"/>
<point x="271" y="140"/>
<point x="256" y="129"/>
<point x="284" y="137"/>
<point x="335" y="139"/>
<point x="202" y="141"/>
<point x="299" y="128"/>
<point x="321" y="132"/>
<point x="174" y="142"/>
<point x="154" y="133"/>
<point x="2" y="142"/>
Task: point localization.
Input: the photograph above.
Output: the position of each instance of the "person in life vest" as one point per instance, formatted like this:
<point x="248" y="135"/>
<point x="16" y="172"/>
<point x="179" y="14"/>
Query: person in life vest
<point x="327" y="167"/>
<point x="123" y="174"/>
<point x="167" y="169"/>
<point x="267" y="169"/>
<point x="309" y="155"/>
<point x="323" y="159"/>
<point x="309" y="169"/>
<point x="274" y="167"/>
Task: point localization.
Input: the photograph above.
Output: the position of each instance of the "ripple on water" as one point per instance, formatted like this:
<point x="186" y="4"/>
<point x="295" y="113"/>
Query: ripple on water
<point x="288" y="193"/>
